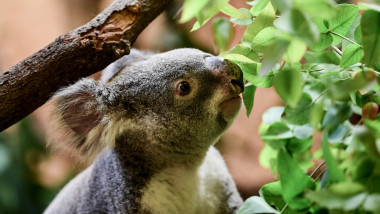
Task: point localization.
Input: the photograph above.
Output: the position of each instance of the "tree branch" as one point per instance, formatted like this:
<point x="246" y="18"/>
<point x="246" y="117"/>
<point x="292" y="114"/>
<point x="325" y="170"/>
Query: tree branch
<point x="79" y="53"/>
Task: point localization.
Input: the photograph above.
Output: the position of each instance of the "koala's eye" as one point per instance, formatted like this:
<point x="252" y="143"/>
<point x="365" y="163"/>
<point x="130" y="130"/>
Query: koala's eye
<point x="183" y="88"/>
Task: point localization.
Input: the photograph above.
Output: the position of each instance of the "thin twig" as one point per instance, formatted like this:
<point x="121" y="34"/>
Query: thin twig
<point x="339" y="52"/>
<point x="345" y="38"/>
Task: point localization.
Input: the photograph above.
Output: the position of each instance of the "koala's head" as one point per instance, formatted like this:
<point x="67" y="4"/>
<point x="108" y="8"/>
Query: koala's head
<point x="178" y="102"/>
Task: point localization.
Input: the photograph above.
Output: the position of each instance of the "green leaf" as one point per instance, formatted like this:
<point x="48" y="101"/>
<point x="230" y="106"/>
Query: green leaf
<point x="288" y="84"/>
<point x="346" y="188"/>
<point x="336" y="114"/>
<point x="243" y="21"/>
<point x="303" y="132"/>
<point x="272" y="194"/>
<point x="351" y="55"/>
<point x="256" y="204"/>
<point x="299" y="145"/>
<point x="337" y="135"/>
<point x="328" y="199"/>
<point x="316" y="114"/>
<point x="268" y="157"/>
<point x="196" y="26"/>
<point x="295" y="51"/>
<point x="303" y="27"/>
<point x="209" y="10"/>
<point x="277" y="131"/>
<point x="264" y="38"/>
<point x="258" y="6"/>
<point x="335" y="173"/>
<point x="324" y="42"/>
<point x="371" y="38"/>
<point x="294" y="183"/>
<point x="273" y="115"/>
<point x="248" y="97"/>
<point x="250" y="74"/>
<point x="272" y="54"/>
<point x="315" y="8"/>
<point x="358" y="34"/>
<point x="238" y="58"/>
<point x="327" y="57"/>
<point x="299" y="115"/>
<point x="191" y="8"/>
<point x="342" y="88"/>
<point x="282" y="5"/>
<point x="222" y="32"/>
<point x="366" y="6"/>
<point x="321" y="24"/>
<point x="345" y="17"/>
<point x="372" y="203"/>
<point x="296" y="23"/>
<point x="246" y="51"/>
<point x="234" y="13"/>
<point x="264" y="19"/>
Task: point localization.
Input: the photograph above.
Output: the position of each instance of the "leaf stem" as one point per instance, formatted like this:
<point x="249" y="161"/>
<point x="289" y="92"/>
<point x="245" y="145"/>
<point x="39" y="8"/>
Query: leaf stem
<point x="345" y="38"/>
<point x="317" y="168"/>
<point x="284" y="208"/>
<point x="323" y="92"/>
<point x="339" y="52"/>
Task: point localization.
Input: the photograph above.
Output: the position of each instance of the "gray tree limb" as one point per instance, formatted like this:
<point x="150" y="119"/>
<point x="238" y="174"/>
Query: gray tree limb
<point x="79" y="53"/>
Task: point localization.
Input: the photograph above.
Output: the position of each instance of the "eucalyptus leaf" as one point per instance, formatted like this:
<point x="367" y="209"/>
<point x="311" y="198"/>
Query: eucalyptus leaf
<point x="335" y="173"/>
<point x="256" y="205"/>
<point x="272" y="54"/>
<point x="258" y="6"/>
<point x="234" y="13"/>
<point x="295" y="51"/>
<point x="250" y="74"/>
<point x="191" y="8"/>
<point x="272" y="193"/>
<point x="300" y="114"/>
<point x="316" y="115"/>
<point x="245" y="50"/>
<point x="263" y="20"/>
<point x="222" y="32"/>
<point x="277" y="131"/>
<point x="238" y="58"/>
<point x="296" y="23"/>
<point x="351" y="55"/>
<point x="371" y="38"/>
<point x="268" y="157"/>
<point x="327" y="198"/>
<point x="324" y="42"/>
<point x="288" y="84"/>
<point x="372" y="203"/>
<point x="243" y="21"/>
<point x="315" y="8"/>
<point x="366" y="6"/>
<point x="345" y="17"/>
<point x="248" y="97"/>
<point x="296" y="145"/>
<point x="264" y="38"/>
<point x="273" y="115"/>
<point x="358" y="34"/>
<point x="294" y="182"/>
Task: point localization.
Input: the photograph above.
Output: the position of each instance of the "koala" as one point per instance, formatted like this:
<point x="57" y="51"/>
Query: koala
<point x="150" y="123"/>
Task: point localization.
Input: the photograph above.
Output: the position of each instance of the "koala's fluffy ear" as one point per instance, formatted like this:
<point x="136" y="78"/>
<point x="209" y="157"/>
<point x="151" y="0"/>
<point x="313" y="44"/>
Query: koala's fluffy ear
<point x="119" y="64"/>
<point x="80" y="113"/>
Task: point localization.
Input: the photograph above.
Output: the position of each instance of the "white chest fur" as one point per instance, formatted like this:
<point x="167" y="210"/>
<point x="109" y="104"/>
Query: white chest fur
<point x="198" y="190"/>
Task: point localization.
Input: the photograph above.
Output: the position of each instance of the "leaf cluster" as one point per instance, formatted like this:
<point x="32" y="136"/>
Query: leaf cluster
<point x="323" y="59"/>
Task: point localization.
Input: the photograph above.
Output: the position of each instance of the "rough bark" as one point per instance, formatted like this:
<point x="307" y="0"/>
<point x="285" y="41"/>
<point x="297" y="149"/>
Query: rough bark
<point x="79" y="53"/>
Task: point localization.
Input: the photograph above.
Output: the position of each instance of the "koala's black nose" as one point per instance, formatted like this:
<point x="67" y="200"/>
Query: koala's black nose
<point x="227" y="69"/>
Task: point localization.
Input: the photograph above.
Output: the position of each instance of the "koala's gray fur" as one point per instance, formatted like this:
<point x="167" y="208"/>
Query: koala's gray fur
<point x="156" y="153"/>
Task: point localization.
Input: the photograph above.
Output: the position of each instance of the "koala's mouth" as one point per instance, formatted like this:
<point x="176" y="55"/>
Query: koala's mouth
<point x="236" y="98"/>
<point x="230" y="107"/>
